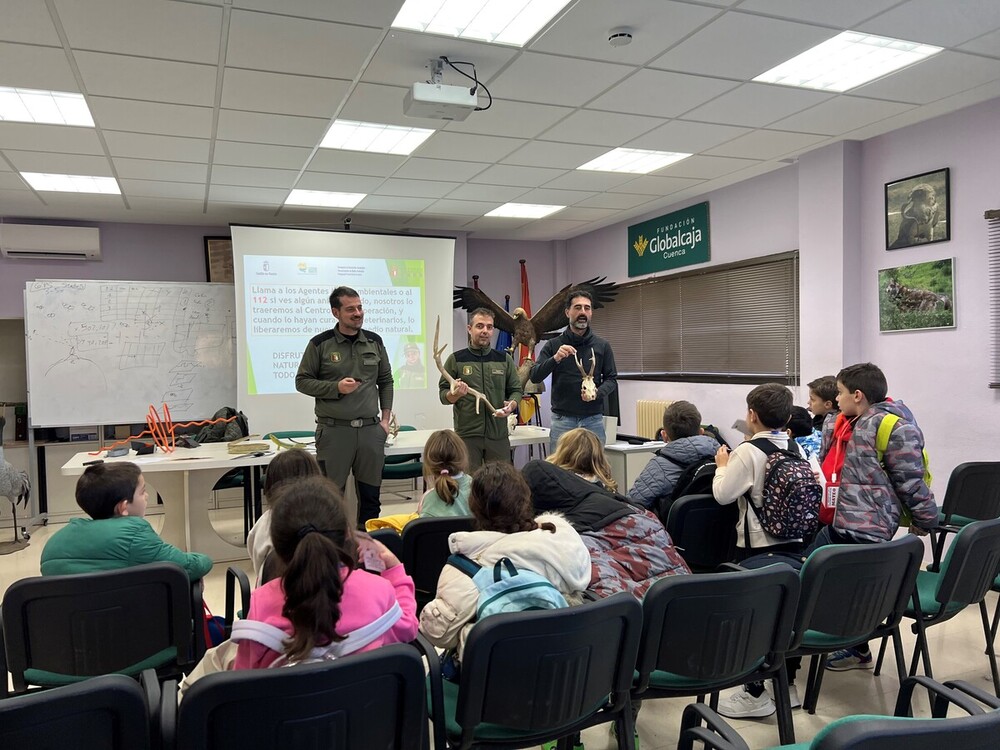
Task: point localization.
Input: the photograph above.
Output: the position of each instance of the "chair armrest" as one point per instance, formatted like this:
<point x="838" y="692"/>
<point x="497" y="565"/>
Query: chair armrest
<point x="987" y="699"/>
<point x="730" y="568"/>
<point x="198" y="620"/>
<point x="236" y="575"/>
<point x="437" y="690"/>
<point x="149" y="681"/>
<point x="716" y="734"/>
<point x="168" y="715"/>
<point x="941" y="697"/>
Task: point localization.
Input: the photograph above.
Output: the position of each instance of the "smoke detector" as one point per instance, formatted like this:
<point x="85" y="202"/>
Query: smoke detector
<point x="620" y="37"/>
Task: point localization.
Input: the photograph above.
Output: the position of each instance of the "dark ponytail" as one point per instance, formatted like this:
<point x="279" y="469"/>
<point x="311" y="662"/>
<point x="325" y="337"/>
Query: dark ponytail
<point x="313" y="539"/>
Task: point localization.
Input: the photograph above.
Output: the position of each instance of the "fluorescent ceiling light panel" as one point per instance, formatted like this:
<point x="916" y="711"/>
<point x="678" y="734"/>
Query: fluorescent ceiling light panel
<point x="323" y="198"/>
<point x="72" y="183"/>
<point x="374" y="137"/>
<point x="513" y="22"/>
<point x="847" y="61"/>
<point x="524" y="210"/>
<point x="44" y="107"/>
<point x="633" y="161"/>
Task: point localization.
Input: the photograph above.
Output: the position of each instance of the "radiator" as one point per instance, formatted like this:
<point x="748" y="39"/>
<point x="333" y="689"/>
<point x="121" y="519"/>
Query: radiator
<point x="649" y="417"/>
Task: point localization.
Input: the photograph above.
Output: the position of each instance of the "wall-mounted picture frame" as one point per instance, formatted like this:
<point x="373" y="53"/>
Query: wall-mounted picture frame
<point x="219" y="259"/>
<point x="918" y="210"/>
<point x="917" y="297"/>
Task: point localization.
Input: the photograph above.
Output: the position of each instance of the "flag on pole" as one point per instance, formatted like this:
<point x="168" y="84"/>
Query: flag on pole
<point x="503" y="338"/>
<point x="524" y="353"/>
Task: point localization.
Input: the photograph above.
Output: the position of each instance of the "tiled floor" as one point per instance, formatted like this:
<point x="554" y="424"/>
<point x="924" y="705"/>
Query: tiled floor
<point x="956" y="648"/>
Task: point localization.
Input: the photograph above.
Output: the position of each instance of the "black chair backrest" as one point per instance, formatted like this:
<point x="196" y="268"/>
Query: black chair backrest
<point x="543" y="669"/>
<point x="973" y="491"/>
<point x="971" y="565"/>
<point x="375" y="699"/>
<point x="849" y="590"/>
<point x="703" y="531"/>
<point x="391" y="539"/>
<point x="717" y="626"/>
<point x="425" y="551"/>
<point x="966" y="732"/>
<point x="97" y="623"/>
<point x="103" y="713"/>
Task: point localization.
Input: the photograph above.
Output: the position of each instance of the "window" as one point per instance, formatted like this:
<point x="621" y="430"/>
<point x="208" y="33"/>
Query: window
<point x="736" y="323"/>
<point x="993" y="253"/>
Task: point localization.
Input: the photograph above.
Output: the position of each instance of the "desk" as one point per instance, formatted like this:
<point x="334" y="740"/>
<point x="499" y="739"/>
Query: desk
<point x="185" y="479"/>
<point x="628" y="461"/>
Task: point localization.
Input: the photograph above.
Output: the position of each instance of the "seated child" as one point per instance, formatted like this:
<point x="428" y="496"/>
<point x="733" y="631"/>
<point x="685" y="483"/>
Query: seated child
<point x="800" y="428"/>
<point x="581" y="452"/>
<point x="507" y="527"/>
<point x="446" y="463"/>
<point x="741" y="474"/>
<point x="322" y="598"/>
<point x="686" y="444"/>
<point x="286" y="466"/>
<point x="116" y="535"/>
<point x="823" y="402"/>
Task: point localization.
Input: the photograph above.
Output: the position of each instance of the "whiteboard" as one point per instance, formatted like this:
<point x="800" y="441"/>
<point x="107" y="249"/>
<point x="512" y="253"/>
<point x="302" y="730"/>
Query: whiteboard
<point x="100" y="352"/>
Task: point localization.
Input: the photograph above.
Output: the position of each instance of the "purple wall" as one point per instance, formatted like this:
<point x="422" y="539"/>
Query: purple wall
<point x="129" y="252"/>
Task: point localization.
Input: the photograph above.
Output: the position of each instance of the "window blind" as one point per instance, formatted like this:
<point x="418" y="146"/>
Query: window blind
<point x="732" y="323"/>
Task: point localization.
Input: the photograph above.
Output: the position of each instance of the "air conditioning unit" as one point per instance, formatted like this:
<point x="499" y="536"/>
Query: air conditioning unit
<point x="48" y="242"/>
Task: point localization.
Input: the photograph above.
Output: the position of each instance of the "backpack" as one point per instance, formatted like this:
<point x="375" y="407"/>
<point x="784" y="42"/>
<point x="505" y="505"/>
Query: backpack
<point x="224" y="432"/>
<point x="505" y="588"/>
<point x="694" y="479"/>
<point x="881" y="445"/>
<point x="791" y="497"/>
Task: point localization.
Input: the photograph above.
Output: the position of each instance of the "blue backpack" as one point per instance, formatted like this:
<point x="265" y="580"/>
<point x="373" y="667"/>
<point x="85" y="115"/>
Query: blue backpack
<point x="504" y="588"/>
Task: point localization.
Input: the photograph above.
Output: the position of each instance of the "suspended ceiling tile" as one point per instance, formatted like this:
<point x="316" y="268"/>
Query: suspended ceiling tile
<point x="280" y="93"/>
<point x="767" y="144"/>
<point x="282" y="130"/>
<point x="655" y="26"/>
<point x="260" y="155"/>
<point x="439" y="169"/>
<point x="843" y="13"/>
<point x="654" y="185"/>
<point x="155" y="189"/>
<point x="151" y="117"/>
<point x="52" y="163"/>
<point x="556" y="155"/>
<point x="128" y="77"/>
<point x="553" y="197"/>
<point x="168" y="171"/>
<point x="683" y="136"/>
<point x="467" y="147"/>
<point x="502" y="174"/>
<point x="29" y="67"/>
<point x="751" y="44"/>
<point x="705" y="167"/>
<point x="307" y="47"/>
<point x="489" y="193"/>
<point x="509" y="118"/>
<point x="944" y="24"/>
<point x="340" y="183"/>
<point x="27" y="136"/>
<point x="394" y="204"/>
<point x="148" y="28"/>
<point x="596" y="182"/>
<point x="945" y="74"/>
<point x="550" y="229"/>
<point x="263" y="196"/>
<point x="987" y="44"/>
<point x="435" y="222"/>
<point x="661" y="94"/>
<point x="841" y="115"/>
<point x="403" y="56"/>
<point x="494" y="223"/>
<point x="581" y="213"/>
<point x="756" y="104"/>
<point x="600" y="128"/>
<point x="253" y="176"/>
<point x="450" y="207"/>
<point x="415" y="188"/>
<point x="168" y="148"/>
<point x="615" y="201"/>
<point x="369" y="13"/>
<point x="546" y="79"/>
<point x="355" y="162"/>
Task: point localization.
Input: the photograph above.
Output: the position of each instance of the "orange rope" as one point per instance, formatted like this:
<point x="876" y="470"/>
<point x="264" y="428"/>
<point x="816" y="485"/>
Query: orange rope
<point x="162" y="430"/>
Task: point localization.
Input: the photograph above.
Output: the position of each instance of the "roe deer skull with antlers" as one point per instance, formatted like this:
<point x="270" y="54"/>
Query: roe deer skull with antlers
<point x="450" y="378"/>
<point x="588" y="388"/>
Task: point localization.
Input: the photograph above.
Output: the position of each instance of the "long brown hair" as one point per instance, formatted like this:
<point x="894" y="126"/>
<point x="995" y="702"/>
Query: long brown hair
<point x="445" y="456"/>
<point x="581" y="452"/>
<point x="313" y="538"/>
<point x="501" y="500"/>
<point x="290" y="464"/>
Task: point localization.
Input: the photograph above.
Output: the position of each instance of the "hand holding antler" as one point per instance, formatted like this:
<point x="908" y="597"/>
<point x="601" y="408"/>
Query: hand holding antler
<point x="588" y="388"/>
<point x="457" y="385"/>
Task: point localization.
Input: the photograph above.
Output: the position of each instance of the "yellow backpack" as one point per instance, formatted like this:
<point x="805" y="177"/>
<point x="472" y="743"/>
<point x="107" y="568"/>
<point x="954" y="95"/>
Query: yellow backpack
<point x="881" y="445"/>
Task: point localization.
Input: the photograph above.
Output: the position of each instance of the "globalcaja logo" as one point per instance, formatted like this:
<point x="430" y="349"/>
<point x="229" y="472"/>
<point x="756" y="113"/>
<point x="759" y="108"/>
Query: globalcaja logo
<point x="306" y="270"/>
<point x="680" y="238"/>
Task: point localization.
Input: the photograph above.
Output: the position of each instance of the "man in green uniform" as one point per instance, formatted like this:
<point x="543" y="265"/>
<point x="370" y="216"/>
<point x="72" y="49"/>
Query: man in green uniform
<point x="347" y="371"/>
<point x="492" y="373"/>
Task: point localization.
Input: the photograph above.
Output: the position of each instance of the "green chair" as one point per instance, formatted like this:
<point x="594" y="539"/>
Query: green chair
<point x="973" y="494"/>
<point x="408" y="466"/>
<point x="977" y="731"/>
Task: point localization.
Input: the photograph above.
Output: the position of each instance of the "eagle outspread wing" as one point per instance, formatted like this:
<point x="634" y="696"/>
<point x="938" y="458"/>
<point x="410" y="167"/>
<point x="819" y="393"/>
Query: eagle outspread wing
<point x="552" y="315"/>
<point x="469" y="299"/>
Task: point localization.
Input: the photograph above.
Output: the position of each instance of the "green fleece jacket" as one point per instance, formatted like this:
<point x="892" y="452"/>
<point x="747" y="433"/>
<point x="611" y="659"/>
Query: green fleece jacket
<point x="86" y="545"/>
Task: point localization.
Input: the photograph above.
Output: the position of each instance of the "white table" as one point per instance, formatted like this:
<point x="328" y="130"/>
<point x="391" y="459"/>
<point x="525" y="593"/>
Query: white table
<point x="185" y="479"/>
<point x="628" y="461"/>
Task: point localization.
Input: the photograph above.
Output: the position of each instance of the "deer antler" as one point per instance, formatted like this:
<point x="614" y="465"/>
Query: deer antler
<point x="448" y="376"/>
<point x="593" y="364"/>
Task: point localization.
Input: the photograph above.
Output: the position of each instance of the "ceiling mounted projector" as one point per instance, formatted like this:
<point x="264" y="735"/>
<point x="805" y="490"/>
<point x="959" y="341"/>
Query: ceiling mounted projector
<point x="437" y="101"/>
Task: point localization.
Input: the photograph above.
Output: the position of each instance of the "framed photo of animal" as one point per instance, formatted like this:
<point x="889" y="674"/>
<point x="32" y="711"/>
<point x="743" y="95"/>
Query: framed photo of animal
<point x="918" y="210"/>
<point x="917" y="297"/>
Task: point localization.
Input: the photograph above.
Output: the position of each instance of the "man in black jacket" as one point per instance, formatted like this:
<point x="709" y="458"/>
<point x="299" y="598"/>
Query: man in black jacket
<point x="576" y="402"/>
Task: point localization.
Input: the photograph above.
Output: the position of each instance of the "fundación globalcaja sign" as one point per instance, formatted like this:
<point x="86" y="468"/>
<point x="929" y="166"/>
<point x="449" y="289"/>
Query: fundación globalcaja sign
<point x="676" y="239"/>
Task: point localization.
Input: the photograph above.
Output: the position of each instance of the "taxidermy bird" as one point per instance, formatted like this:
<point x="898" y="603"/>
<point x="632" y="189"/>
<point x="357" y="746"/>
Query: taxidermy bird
<point x="14" y="483"/>
<point x="546" y="323"/>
